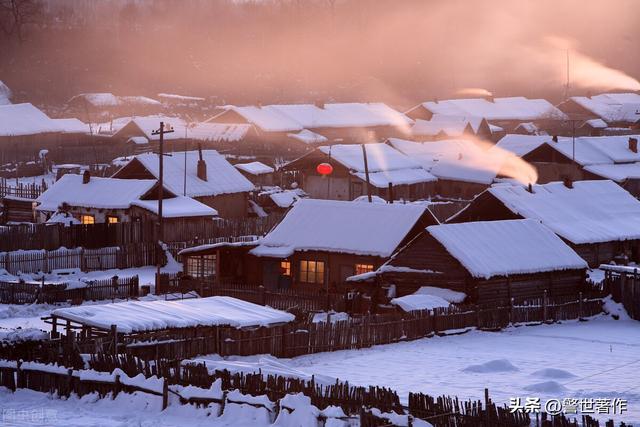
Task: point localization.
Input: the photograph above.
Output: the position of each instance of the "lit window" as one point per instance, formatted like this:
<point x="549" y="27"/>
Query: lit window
<point x="364" y="268"/>
<point x="112" y="219"/>
<point x="285" y="268"/>
<point x="201" y="266"/>
<point x="312" y="272"/>
<point x="87" y="219"/>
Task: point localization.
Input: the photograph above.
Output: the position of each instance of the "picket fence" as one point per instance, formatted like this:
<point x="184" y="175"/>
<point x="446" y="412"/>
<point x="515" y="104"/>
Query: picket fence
<point x="624" y="285"/>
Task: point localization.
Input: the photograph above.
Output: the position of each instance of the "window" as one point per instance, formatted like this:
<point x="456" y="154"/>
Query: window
<point x="87" y="219"/>
<point x="364" y="268"/>
<point x="112" y="219"/>
<point x="201" y="266"/>
<point x="312" y="272"/>
<point x="285" y="268"/>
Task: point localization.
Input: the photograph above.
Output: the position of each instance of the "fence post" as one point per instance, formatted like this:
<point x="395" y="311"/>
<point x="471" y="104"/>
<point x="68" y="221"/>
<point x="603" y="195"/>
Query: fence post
<point x="83" y="263"/>
<point x="433" y="322"/>
<point x="511" y="314"/>
<point x="69" y="382"/>
<point x="114" y="335"/>
<point x="486" y="406"/>
<point x="165" y="394"/>
<point x="544" y="307"/>
<point x="19" y="377"/>
<point x="580" y="308"/>
<point x="116" y="386"/>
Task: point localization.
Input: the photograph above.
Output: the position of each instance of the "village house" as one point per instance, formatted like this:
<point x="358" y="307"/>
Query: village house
<point x="560" y="158"/>
<point x="25" y="131"/>
<point x="311" y="124"/>
<point x="257" y="172"/>
<point x="92" y="107"/>
<point x="506" y="113"/>
<point x="615" y="109"/>
<point x="316" y="246"/>
<point x="94" y="200"/>
<point x="388" y="170"/>
<point x="203" y="175"/>
<point x="463" y="169"/>
<point x="446" y="127"/>
<point x="598" y="219"/>
<point x="489" y="261"/>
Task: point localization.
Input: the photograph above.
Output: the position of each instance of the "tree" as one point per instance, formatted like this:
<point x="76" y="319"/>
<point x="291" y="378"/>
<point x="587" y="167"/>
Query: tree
<point x="16" y="14"/>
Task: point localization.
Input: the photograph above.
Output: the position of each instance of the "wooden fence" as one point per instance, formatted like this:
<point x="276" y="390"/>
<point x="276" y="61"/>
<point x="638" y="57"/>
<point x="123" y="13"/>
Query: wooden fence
<point x="34" y="261"/>
<point x="27" y="191"/>
<point x="94" y="290"/>
<point x="281" y="299"/>
<point x="624" y="285"/>
<point x="53" y="236"/>
<point x="109" y="377"/>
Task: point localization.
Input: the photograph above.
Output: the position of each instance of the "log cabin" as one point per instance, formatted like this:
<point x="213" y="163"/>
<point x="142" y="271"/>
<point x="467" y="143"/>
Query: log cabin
<point x="598" y="219"/>
<point x="348" y="178"/>
<point x="316" y="246"/>
<point x="208" y="178"/>
<point x="489" y="261"/>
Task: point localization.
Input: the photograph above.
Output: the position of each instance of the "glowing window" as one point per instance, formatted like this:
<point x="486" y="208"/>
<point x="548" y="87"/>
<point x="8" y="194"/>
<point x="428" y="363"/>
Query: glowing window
<point x="112" y="219"/>
<point x="87" y="219"/>
<point x="312" y="272"/>
<point x="285" y="268"/>
<point x="364" y="268"/>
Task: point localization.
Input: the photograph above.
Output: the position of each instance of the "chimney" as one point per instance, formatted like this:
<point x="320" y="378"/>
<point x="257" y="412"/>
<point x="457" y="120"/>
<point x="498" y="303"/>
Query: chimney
<point x="555" y="138"/>
<point x="86" y="177"/>
<point x="567" y="182"/>
<point x="633" y="144"/>
<point x="530" y="188"/>
<point x="319" y="103"/>
<point x="202" y="166"/>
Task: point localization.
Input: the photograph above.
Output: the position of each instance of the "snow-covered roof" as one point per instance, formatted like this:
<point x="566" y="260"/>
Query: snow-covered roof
<point x="222" y="177"/>
<point x="107" y="99"/>
<point x="296" y="117"/>
<point x="590" y="212"/>
<point x="521" y="145"/>
<point x="308" y="137"/>
<point x="72" y="125"/>
<point x="453" y="159"/>
<point x="177" y="207"/>
<point x="612" y="107"/>
<point x="138" y="316"/>
<point x="175" y="97"/>
<point x="512" y="108"/>
<point x="106" y="193"/>
<point x="138" y="140"/>
<point x="449" y="125"/>
<point x="382" y="179"/>
<point x="286" y="198"/>
<point x="596" y="123"/>
<point x="255" y="168"/>
<point x="616" y="172"/>
<point x="339" y="226"/>
<point x="504" y="248"/>
<point x="205" y="131"/>
<point x="25" y="119"/>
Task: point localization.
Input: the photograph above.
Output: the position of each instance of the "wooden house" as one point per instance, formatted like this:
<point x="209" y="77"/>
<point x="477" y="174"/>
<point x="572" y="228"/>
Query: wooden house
<point x="462" y="168"/>
<point x="615" y="109"/>
<point x="93" y="200"/>
<point x="299" y="128"/>
<point x="489" y="261"/>
<point x="208" y="178"/>
<point x="348" y="179"/>
<point x="317" y="245"/>
<point x="598" y="219"/>
<point x="507" y="113"/>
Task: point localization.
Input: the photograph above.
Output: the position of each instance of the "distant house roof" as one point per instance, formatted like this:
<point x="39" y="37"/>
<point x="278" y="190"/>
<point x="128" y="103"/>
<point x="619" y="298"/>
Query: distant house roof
<point x="222" y="177"/>
<point x="114" y="193"/>
<point x="451" y="126"/>
<point x="339" y="226"/>
<point x="25" y="119"/>
<point x="147" y="125"/>
<point x="107" y="99"/>
<point x="254" y="168"/>
<point x="589" y="150"/>
<point x="504" y="248"/>
<point x="512" y="108"/>
<point x="296" y="117"/>
<point x="590" y="212"/>
<point x="72" y="125"/>
<point x="616" y="172"/>
<point x="308" y="137"/>
<point x="454" y="159"/>
<point x="386" y="165"/>
<point x="612" y="107"/>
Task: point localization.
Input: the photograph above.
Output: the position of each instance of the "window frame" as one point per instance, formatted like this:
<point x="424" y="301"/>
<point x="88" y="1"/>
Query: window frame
<point x="362" y="268"/>
<point x="312" y="272"/>
<point x="83" y="216"/>
<point x="112" y="217"/>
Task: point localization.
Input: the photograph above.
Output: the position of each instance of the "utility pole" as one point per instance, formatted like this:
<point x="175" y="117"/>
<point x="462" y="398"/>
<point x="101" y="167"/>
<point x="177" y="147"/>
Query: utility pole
<point x="163" y="129"/>
<point x="366" y="173"/>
